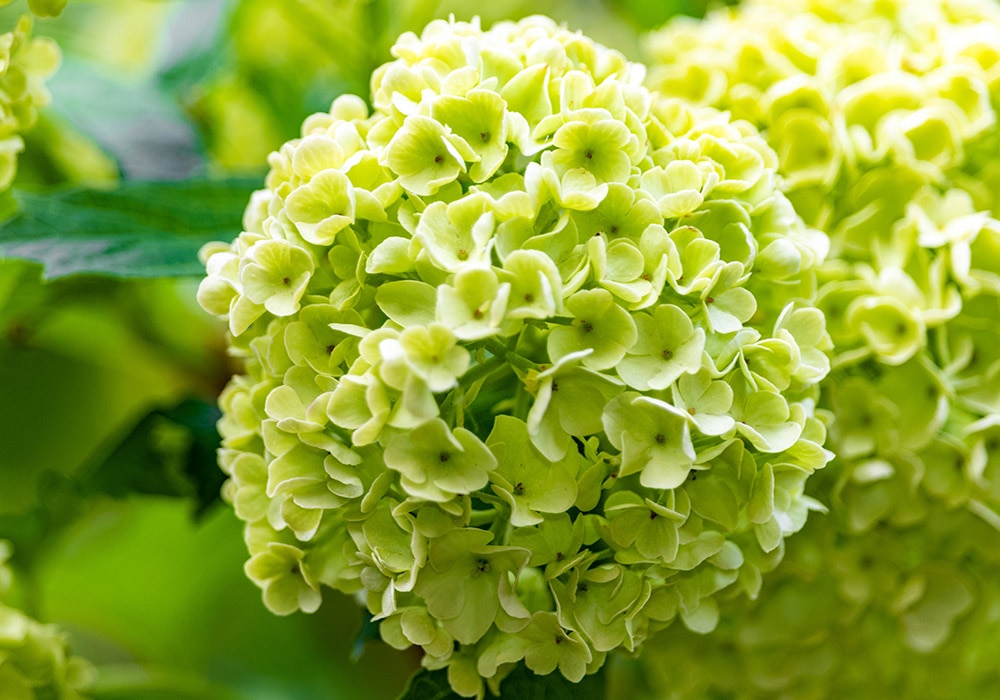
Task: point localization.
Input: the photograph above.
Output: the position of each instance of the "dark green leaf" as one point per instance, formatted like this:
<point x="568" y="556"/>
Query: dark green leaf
<point x="141" y="229"/>
<point x="429" y="685"/>
<point x="170" y="453"/>
<point x="523" y="684"/>
<point x="367" y="633"/>
<point x="58" y="505"/>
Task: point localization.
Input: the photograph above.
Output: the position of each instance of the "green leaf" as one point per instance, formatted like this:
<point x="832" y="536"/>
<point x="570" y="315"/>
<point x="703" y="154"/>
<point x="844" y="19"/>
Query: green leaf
<point x="429" y="685"/>
<point x="652" y="13"/>
<point x="523" y="684"/>
<point x="141" y="229"/>
<point x="369" y="632"/>
<point x="170" y="453"/>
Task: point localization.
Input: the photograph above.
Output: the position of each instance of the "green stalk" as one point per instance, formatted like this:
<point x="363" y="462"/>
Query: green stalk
<point x="498" y="349"/>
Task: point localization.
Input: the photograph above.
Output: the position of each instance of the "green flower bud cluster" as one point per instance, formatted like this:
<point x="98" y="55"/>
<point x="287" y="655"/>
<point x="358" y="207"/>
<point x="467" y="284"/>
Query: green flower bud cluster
<point x="35" y="661"/>
<point x="530" y="356"/>
<point x="884" y="117"/>
<point x="25" y="64"/>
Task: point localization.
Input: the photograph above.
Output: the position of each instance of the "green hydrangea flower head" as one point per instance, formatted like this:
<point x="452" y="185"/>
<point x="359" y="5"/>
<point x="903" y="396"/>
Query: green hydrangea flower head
<point x="530" y="356"/>
<point x="884" y="116"/>
<point x="35" y="661"/>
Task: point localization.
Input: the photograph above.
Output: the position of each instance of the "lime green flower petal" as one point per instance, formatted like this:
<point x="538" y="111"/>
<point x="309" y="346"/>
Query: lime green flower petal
<point x="407" y="302"/>
<point x="654" y="438"/>
<point x="767" y="420"/>
<point x="549" y="646"/>
<point x="620" y="268"/>
<point x="480" y="118"/>
<point x="437" y="463"/>
<point x="569" y="401"/>
<point x="598" y="148"/>
<point x="530" y="481"/>
<point x="315" y="154"/>
<point x="474" y="305"/>
<point x="600" y="604"/>
<point x="535" y="285"/>
<point x="425" y="155"/>
<point x="249" y="479"/>
<point x="322" y="207"/>
<point x="599" y="325"/>
<point x="668" y="346"/>
<point x="284" y="576"/>
<point x="677" y="188"/>
<point x="430" y="353"/>
<point x="311" y="341"/>
<point x="275" y="274"/>
<point x="707" y="402"/>
<point x="464" y="578"/>
<point x="458" y="234"/>
<point x="644" y="525"/>
<point x="620" y="214"/>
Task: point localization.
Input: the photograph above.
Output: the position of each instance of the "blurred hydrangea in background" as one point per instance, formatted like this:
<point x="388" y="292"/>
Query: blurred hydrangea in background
<point x="884" y="116"/>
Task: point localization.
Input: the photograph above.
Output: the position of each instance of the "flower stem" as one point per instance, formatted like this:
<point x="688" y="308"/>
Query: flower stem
<point x="482" y="517"/>
<point x="483" y="369"/>
<point x="498" y="349"/>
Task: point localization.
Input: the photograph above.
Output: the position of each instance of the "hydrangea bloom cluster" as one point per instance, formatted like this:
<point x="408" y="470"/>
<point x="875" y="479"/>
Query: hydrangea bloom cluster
<point x="25" y="64"/>
<point x="884" y="118"/>
<point x="34" y="659"/>
<point x="530" y="356"/>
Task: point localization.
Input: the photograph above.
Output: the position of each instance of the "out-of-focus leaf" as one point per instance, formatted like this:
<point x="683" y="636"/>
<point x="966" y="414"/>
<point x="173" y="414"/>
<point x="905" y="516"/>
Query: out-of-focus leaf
<point x="134" y="120"/>
<point x="141" y="229"/>
<point x="523" y="684"/>
<point x="169" y="453"/>
<point x="367" y="633"/>
<point x="648" y="14"/>
<point x="58" y="505"/>
<point x="429" y="685"/>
